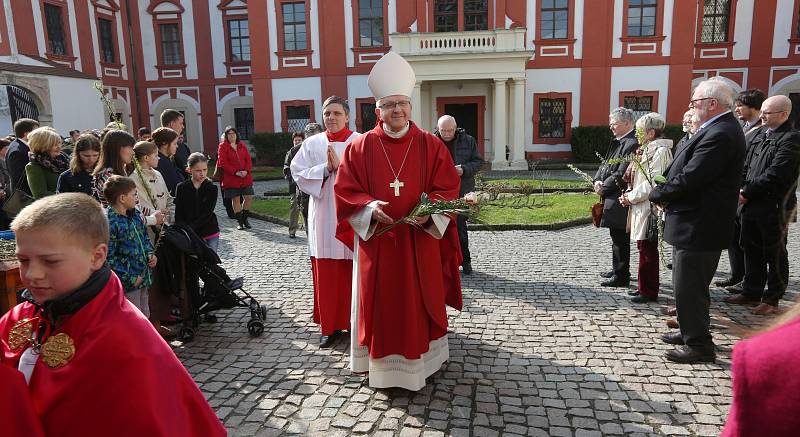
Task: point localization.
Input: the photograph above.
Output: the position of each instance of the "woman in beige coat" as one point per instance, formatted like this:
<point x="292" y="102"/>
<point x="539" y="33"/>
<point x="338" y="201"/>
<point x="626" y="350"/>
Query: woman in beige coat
<point x="655" y="154"/>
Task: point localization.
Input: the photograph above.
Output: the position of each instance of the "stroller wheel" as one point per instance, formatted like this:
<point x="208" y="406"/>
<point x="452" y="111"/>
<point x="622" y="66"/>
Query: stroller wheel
<point x="255" y="327"/>
<point x="186" y="334"/>
<point x="263" y="312"/>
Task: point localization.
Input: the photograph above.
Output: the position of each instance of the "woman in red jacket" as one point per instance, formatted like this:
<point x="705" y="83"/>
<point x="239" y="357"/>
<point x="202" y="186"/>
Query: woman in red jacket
<point x="766" y="384"/>
<point x="236" y="167"/>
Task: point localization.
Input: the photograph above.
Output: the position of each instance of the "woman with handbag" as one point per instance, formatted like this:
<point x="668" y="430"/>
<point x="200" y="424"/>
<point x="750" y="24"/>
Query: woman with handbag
<point x="653" y="157"/>
<point x="47" y="162"/>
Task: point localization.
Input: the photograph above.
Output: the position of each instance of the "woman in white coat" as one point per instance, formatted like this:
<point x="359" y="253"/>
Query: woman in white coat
<point x="655" y="154"/>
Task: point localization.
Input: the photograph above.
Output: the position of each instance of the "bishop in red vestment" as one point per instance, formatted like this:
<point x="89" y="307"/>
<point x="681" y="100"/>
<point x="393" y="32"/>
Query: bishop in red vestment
<point x="399" y="317"/>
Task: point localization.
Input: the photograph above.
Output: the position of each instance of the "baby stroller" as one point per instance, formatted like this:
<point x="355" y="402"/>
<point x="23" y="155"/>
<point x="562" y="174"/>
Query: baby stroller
<point x="187" y="259"/>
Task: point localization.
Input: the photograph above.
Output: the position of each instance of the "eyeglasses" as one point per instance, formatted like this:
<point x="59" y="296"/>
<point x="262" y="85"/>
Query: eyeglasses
<point x="389" y="106"/>
<point x="693" y="101"/>
<point x="772" y="112"/>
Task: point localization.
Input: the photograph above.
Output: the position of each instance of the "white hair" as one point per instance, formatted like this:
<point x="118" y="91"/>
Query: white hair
<point x="716" y="88"/>
<point x="621" y="114"/>
<point x="445" y="118"/>
<point x="651" y="120"/>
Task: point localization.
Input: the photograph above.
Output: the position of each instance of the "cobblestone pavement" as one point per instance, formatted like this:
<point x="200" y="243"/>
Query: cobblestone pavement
<point x="539" y="349"/>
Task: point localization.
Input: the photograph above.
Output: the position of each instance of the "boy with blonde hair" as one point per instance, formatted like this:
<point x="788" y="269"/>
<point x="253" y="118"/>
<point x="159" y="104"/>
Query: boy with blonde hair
<point x="94" y="365"/>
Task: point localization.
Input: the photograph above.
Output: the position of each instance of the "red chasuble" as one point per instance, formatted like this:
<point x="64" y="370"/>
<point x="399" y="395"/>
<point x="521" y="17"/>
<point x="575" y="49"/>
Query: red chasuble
<point x="17" y="418"/>
<point x="402" y="285"/>
<point x="123" y="379"/>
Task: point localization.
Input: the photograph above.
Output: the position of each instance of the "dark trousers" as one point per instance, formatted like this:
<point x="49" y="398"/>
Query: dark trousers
<point x="648" y="268"/>
<point x="227" y="202"/>
<point x="463" y="238"/>
<point x="692" y="271"/>
<point x="735" y="252"/>
<point x="621" y="252"/>
<point x="766" y="259"/>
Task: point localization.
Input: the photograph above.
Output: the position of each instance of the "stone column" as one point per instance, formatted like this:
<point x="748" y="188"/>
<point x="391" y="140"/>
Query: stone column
<point x="416" y="103"/>
<point x="499" y="125"/>
<point x="517" y="134"/>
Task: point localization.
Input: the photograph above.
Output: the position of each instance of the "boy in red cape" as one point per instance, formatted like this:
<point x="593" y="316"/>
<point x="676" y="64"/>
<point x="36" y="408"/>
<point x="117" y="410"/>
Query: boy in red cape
<point x="93" y="363"/>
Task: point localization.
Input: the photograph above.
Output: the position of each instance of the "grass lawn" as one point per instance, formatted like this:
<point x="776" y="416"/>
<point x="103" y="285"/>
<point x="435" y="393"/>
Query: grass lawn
<point x="259" y="171"/>
<point x="538" y="183"/>
<point x="559" y="208"/>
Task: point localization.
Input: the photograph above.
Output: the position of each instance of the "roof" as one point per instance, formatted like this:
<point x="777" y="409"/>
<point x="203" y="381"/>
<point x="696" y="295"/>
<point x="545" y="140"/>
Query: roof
<point x="50" y="68"/>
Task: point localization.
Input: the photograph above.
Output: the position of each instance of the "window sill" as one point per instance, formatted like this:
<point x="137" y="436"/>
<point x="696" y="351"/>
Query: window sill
<point x="105" y="64"/>
<point x="237" y="63"/>
<point x="554" y="42"/>
<point x="60" y="58"/>
<point x="636" y="39"/>
<point x="285" y="53"/>
<point x="714" y="45"/>
<point x="372" y="49"/>
<point x="170" y="66"/>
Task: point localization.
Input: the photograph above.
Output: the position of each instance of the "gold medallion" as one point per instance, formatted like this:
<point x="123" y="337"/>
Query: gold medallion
<point x="20" y="334"/>
<point x="58" y="350"/>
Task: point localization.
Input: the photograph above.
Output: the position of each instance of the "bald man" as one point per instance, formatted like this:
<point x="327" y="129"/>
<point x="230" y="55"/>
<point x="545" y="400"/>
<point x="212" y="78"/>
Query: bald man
<point x="464" y="150"/>
<point x="767" y="197"/>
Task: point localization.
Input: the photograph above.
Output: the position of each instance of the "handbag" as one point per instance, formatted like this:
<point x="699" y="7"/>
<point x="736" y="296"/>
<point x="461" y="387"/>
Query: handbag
<point x="597" y="213"/>
<point x="652" y="226"/>
<point x="17" y="201"/>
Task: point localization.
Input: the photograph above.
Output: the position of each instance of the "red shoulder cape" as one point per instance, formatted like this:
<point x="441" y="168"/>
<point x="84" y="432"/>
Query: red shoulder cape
<point x="123" y="380"/>
<point x="17" y="418"/>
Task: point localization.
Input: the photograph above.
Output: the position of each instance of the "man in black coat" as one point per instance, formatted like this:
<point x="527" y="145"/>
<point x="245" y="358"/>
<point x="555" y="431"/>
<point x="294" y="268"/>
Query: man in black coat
<point x="17" y="155"/>
<point x="173" y="119"/>
<point x="700" y="198"/>
<point x="464" y="150"/>
<point x="748" y="107"/>
<point x="609" y="185"/>
<point x="766" y="199"/>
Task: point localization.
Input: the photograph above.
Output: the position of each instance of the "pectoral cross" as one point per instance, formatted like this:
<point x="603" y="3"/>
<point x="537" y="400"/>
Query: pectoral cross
<point x="396" y="185"/>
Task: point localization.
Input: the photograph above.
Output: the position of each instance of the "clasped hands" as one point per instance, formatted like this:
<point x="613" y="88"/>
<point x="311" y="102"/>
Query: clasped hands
<point x="333" y="159"/>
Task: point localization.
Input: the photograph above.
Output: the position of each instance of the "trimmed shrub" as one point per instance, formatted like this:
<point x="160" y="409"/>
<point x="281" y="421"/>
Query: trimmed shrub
<point x="586" y="140"/>
<point x="271" y="147"/>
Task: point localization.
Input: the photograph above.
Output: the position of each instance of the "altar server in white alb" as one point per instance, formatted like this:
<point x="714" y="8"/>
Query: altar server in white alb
<point x="314" y="169"/>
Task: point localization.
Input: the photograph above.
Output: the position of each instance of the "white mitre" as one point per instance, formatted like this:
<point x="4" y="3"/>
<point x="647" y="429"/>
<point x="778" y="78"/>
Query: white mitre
<point x="391" y="76"/>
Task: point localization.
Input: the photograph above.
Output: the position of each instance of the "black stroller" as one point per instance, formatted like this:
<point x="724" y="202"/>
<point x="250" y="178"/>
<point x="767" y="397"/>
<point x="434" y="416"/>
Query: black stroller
<point x="186" y="259"/>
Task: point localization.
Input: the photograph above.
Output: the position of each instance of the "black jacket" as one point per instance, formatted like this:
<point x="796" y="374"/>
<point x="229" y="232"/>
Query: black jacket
<point x="614" y="214"/>
<point x="770" y="173"/>
<point x="702" y="188"/>
<point x="287" y="162"/>
<point x="74" y="183"/>
<point x="172" y="175"/>
<point x="181" y="160"/>
<point x="195" y="207"/>
<point x="464" y="150"/>
<point x="16" y="160"/>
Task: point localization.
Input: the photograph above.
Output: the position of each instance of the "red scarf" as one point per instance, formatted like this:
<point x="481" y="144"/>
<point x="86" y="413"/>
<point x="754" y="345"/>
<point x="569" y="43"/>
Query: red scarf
<point x="339" y="137"/>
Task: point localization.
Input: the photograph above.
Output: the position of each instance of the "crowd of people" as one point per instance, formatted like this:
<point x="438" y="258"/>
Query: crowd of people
<point x="728" y="184"/>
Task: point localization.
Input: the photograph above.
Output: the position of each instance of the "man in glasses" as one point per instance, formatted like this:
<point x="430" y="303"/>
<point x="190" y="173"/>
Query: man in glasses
<point x="700" y="198"/>
<point x="765" y="201"/>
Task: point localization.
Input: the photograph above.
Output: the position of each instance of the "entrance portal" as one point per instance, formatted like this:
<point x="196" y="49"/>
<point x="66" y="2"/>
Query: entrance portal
<point x="468" y="112"/>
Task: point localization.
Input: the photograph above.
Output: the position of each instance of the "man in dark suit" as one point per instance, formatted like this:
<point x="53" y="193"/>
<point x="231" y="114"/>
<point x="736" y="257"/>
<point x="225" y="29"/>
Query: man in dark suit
<point x="748" y="108"/>
<point x="173" y="119"/>
<point x="700" y="198"/>
<point x="766" y="199"/>
<point x="17" y="156"/>
<point x="609" y="185"/>
<point x="464" y="150"/>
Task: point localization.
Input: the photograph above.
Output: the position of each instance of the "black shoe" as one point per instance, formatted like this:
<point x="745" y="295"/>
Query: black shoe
<point x="735" y="288"/>
<point x="292" y="236"/>
<point x="616" y="281"/>
<point x="672" y="338"/>
<point x="633" y="293"/>
<point x="689" y="355"/>
<point x="326" y="341"/>
<point x="642" y="299"/>
<point x="239" y="221"/>
<point x="467" y="268"/>
<point x="727" y="282"/>
<point x="607" y="274"/>
<point x="669" y="266"/>
<point x="232" y="216"/>
<point x="245" y="220"/>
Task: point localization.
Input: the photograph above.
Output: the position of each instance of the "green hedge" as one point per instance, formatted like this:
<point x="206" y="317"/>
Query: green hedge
<point x="271" y="147"/>
<point x="586" y="140"/>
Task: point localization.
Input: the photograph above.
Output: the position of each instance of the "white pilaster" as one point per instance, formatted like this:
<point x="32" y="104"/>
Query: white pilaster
<point x="499" y="125"/>
<point x="517" y="133"/>
<point x="416" y="103"/>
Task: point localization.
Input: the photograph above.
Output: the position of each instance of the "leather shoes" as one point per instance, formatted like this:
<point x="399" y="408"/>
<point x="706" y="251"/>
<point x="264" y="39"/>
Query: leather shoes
<point x="643" y="299"/>
<point x="633" y="293"/>
<point x="673" y="324"/>
<point x="616" y="281"/>
<point x="735" y="288"/>
<point x="764" y="309"/>
<point x="727" y="282"/>
<point x="688" y="355"/>
<point x="669" y="311"/>
<point x="739" y="299"/>
<point x="607" y="274"/>
<point x="672" y="338"/>
<point x="325" y="341"/>
<point x="467" y="268"/>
